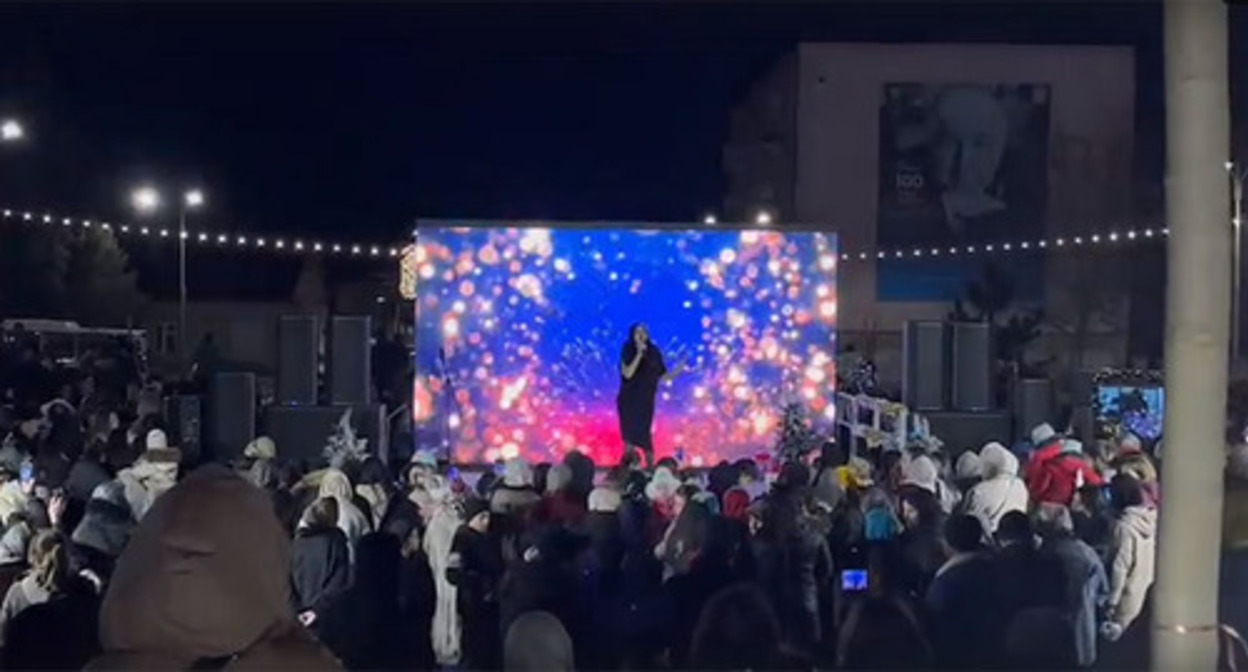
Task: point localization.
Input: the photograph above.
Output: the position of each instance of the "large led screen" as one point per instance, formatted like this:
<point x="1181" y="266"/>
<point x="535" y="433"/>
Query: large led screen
<point x="520" y="333"/>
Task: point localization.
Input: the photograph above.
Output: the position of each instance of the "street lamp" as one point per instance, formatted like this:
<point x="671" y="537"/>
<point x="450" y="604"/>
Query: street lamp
<point x="190" y="200"/>
<point x="147" y="200"/>
<point x="1238" y="174"/>
<point x="11" y="130"/>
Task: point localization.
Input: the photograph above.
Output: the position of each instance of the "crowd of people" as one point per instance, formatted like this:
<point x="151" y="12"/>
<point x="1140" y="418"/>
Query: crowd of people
<point x="119" y="551"/>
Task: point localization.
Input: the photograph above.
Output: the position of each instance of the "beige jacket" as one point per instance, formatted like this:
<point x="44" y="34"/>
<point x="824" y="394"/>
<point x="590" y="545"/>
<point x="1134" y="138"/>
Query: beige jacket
<point x="1132" y="567"/>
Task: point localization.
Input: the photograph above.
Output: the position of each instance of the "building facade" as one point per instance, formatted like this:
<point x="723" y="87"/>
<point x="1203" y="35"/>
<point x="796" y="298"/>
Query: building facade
<point x="933" y="147"/>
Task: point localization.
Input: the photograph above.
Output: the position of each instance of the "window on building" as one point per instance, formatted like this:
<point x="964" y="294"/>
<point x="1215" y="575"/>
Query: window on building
<point x="167" y="338"/>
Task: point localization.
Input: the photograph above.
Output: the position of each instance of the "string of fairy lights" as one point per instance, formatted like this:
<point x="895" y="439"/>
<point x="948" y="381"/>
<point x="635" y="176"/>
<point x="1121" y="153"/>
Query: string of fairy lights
<point x="300" y="246"/>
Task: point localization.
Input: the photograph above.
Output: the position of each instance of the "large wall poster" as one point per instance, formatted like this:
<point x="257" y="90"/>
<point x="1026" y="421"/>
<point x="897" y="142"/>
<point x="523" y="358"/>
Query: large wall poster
<point x="959" y="165"/>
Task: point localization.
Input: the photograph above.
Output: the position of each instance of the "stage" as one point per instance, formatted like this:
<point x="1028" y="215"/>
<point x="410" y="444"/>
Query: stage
<point x="520" y="329"/>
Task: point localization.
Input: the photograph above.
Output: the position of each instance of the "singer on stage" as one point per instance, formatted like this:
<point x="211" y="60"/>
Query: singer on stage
<point x="641" y="370"/>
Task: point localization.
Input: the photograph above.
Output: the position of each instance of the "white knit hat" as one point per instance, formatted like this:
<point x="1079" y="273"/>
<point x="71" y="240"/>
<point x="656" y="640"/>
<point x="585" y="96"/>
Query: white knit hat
<point x="1041" y="433"/>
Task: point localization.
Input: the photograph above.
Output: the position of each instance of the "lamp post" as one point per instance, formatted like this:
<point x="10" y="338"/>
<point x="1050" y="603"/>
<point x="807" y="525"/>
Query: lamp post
<point x="191" y="199"/>
<point x="1238" y="174"/>
<point x="147" y="200"/>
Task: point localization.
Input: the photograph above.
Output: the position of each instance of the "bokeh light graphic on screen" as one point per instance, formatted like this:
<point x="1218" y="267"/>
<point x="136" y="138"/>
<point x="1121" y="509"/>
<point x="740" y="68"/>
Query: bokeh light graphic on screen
<point x="519" y="334"/>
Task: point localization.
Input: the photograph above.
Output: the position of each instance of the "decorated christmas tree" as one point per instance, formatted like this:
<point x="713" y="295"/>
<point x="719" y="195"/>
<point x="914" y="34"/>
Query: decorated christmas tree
<point x="343" y="447"/>
<point x="796" y="436"/>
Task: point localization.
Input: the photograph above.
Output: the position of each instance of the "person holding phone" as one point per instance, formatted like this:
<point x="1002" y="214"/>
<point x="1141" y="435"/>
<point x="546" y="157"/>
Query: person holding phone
<point x="641" y="370"/>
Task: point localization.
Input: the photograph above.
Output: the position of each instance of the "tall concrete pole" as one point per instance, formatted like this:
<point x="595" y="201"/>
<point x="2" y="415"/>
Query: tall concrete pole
<point x="1197" y="332"/>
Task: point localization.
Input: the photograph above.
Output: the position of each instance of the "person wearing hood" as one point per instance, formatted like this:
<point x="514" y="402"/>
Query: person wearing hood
<point x="260" y="448"/>
<point x="1087" y="587"/>
<point x="1057" y="471"/>
<point x="1001" y="490"/>
<point x="1130" y="458"/>
<point x="353" y="523"/>
<point x="967" y="471"/>
<point x="921" y="473"/>
<point x="87" y="473"/>
<point x="442" y="519"/>
<point x="105" y="528"/>
<point x="1132" y="552"/>
<point x="475" y="568"/>
<point x="204" y="583"/>
<point x="538" y="642"/>
<point x="363" y="624"/>
<point x="516" y="494"/>
<point x="320" y="562"/>
<point x="793" y="563"/>
<point x="153" y="474"/>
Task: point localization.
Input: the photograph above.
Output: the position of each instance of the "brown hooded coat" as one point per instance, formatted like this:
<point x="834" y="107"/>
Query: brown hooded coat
<point x="203" y="582"/>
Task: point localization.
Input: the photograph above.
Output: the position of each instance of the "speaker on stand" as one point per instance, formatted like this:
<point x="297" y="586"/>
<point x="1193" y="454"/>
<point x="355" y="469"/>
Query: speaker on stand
<point x="972" y="367"/>
<point x="297" y="341"/>
<point x="350" y="361"/>
<point x="925" y="365"/>
<point x="232" y="415"/>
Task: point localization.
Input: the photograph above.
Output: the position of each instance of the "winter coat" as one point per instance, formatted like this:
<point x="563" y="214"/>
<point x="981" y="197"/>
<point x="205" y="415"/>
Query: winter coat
<point x="1140" y="466"/>
<point x="320" y="568"/>
<point x="1054" y="476"/>
<point x="378" y="501"/>
<point x="362" y="625"/>
<point x="1087" y="588"/>
<point x="437" y="543"/>
<point x="476" y="569"/>
<point x="965" y="613"/>
<point x="60" y="634"/>
<point x="1000" y="492"/>
<point x="507" y="500"/>
<point x="351" y="520"/>
<point x="205" y="580"/>
<point x="792" y="571"/>
<point x="1132" y="565"/>
<point x="417" y="602"/>
<point x="84" y="477"/>
<point x="148" y="479"/>
<point x="21" y="596"/>
<point x="106" y="525"/>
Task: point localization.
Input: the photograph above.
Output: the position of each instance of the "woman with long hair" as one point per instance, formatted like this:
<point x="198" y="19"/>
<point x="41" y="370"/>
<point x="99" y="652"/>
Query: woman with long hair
<point x="641" y="370"/>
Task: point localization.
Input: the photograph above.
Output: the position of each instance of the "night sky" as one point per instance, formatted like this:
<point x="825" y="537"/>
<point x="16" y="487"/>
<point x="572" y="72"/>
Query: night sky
<point x="323" y="119"/>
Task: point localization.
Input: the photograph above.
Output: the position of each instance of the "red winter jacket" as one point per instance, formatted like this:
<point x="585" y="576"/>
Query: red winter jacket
<point x="1053" y="477"/>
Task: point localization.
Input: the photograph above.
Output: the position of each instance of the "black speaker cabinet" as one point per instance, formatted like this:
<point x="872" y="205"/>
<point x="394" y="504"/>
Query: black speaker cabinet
<point x="972" y="388"/>
<point x="1033" y="404"/>
<point x="962" y="431"/>
<point x="350" y="370"/>
<point x="925" y="365"/>
<point x="232" y="415"/>
<point x="185" y="425"/>
<point x="297" y="339"/>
